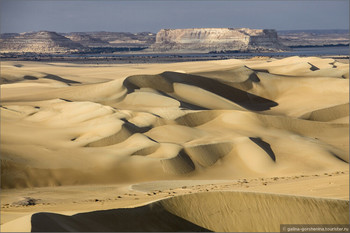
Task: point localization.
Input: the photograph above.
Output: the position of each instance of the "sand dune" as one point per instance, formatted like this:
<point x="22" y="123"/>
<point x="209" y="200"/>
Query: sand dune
<point x="75" y="125"/>
<point x="335" y="113"/>
<point x="210" y="116"/>
<point x="146" y="218"/>
<point x="212" y="211"/>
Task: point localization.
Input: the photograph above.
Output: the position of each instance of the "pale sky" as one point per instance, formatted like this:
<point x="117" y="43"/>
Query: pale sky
<point x="151" y="16"/>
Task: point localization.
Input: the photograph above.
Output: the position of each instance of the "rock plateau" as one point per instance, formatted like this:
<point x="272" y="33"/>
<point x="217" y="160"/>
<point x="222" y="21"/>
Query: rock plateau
<point x="217" y="40"/>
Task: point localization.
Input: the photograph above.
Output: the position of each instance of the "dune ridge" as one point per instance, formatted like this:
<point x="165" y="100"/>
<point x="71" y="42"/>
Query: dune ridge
<point x="210" y="211"/>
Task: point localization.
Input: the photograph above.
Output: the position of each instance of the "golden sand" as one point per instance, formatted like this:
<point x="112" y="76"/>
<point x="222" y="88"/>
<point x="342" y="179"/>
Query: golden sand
<point x="215" y="137"/>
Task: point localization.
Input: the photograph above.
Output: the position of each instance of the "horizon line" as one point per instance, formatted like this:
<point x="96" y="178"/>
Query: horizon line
<point x="278" y="30"/>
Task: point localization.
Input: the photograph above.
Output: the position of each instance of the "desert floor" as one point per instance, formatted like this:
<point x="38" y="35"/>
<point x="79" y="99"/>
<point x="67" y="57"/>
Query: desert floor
<point x="229" y="145"/>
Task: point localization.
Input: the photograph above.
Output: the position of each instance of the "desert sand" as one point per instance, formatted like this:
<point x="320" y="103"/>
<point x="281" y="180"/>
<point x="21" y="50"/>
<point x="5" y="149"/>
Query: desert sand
<point x="228" y="145"/>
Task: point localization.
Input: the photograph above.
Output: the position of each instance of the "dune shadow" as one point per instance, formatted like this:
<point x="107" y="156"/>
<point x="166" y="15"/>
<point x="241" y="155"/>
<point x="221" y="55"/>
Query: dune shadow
<point x="146" y="151"/>
<point x="254" y="77"/>
<point x="29" y="77"/>
<point x="338" y="157"/>
<point x="260" y="70"/>
<point x="158" y="83"/>
<point x="58" y="78"/>
<point x="66" y="100"/>
<point x="184" y="104"/>
<point x="313" y="68"/>
<point x="242" y="98"/>
<point x="124" y="133"/>
<point x="164" y="83"/>
<point x="132" y="128"/>
<point x="149" y="218"/>
<point x="208" y="154"/>
<point x="180" y="164"/>
<point x="194" y="119"/>
<point x="265" y="146"/>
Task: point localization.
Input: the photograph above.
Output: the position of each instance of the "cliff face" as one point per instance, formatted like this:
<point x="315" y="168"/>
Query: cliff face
<point x="39" y="42"/>
<point x="216" y="40"/>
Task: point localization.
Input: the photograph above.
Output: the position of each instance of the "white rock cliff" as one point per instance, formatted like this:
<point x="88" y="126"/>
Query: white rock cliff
<point x="217" y="40"/>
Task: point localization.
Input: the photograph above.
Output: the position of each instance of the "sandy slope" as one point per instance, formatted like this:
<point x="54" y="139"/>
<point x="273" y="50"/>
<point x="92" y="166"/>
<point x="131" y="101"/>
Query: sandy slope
<point x="69" y="125"/>
<point x="213" y="211"/>
<point x="72" y="200"/>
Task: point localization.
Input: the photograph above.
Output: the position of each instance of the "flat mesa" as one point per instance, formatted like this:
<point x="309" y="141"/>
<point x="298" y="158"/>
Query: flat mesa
<point x="224" y="145"/>
<point x="217" y="40"/>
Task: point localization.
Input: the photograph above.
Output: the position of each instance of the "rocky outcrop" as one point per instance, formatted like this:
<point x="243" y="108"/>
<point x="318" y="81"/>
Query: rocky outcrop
<point x="217" y="40"/>
<point x="112" y="39"/>
<point x="39" y="42"/>
<point x="87" y="40"/>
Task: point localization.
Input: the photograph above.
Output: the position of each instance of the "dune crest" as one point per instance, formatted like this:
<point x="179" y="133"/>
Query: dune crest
<point x="211" y="211"/>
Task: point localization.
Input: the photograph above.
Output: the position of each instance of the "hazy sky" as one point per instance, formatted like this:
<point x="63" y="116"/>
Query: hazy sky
<point x="138" y="16"/>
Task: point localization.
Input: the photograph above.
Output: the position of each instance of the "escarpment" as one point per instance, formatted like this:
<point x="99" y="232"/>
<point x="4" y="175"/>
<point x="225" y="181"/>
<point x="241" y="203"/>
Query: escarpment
<point x="217" y="40"/>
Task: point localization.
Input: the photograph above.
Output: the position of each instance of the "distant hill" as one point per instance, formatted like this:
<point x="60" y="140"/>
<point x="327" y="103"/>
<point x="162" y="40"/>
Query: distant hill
<point x="38" y="42"/>
<point x="170" y="40"/>
<point x="316" y="31"/>
<point x="299" y="38"/>
<point x="86" y="40"/>
<point x="112" y="39"/>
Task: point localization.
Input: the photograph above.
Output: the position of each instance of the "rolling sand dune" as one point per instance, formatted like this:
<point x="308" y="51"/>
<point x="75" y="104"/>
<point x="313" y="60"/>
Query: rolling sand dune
<point x="65" y="125"/>
<point x="213" y="211"/>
